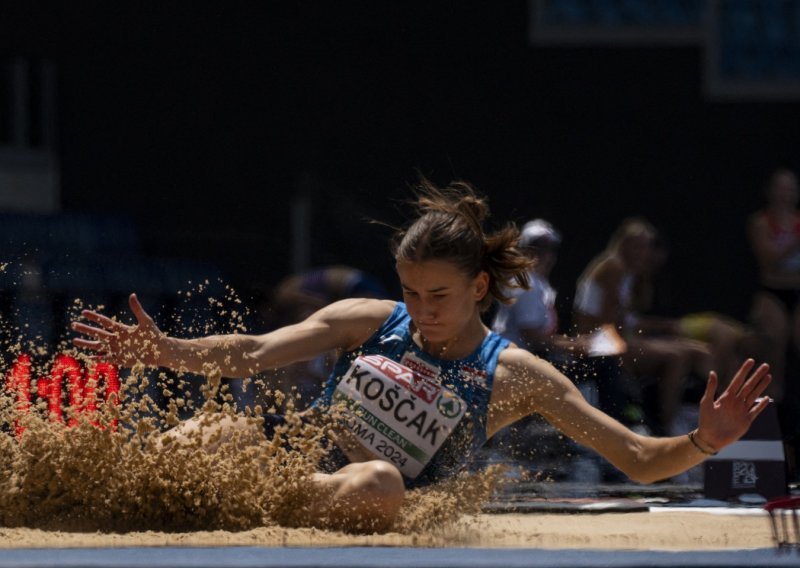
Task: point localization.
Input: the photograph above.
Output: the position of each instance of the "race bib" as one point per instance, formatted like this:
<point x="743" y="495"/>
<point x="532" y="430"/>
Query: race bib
<point x="398" y="415"/>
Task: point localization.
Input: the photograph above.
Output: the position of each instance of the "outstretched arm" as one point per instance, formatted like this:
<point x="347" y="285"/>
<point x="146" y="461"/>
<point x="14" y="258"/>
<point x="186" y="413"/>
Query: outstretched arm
<point x="343" y="325"/>
<point x="528" y="386"/>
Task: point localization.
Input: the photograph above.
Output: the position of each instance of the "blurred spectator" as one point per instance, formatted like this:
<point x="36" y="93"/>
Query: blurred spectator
<point x="298" y="296"/>
<point x="604" y="301"/>
<point x="774" y="234"/>
<point x="532" y="321"/>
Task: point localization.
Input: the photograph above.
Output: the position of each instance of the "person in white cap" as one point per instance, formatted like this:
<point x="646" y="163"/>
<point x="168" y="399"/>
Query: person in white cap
<point x="531" y="322"/>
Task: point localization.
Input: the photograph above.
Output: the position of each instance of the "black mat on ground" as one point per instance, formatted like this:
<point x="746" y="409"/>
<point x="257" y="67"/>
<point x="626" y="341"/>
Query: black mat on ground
<point x="521" y="504"/>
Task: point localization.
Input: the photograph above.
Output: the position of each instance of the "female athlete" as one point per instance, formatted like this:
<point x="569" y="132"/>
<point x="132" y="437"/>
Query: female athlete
<point x="423" y="383"/>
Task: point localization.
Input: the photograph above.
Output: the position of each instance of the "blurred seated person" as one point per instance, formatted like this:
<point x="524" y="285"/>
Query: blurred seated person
<point x="298" y="296"/>
<point x="531" y="321"/>
<point x="774" y="234"/>
<point x="604" y="300"/>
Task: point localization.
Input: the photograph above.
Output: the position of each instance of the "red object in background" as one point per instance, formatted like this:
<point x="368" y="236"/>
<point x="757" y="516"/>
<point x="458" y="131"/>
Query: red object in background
<point x="19" y="381"/>
<point x="783" y="518"/>
<point x="63" y="365"/>
<point x="91" y="379"/>
<point x="81" y="387"/>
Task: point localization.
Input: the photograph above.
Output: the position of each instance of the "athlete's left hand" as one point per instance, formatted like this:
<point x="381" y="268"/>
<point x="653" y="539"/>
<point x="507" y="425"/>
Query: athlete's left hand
<point x="726" y="418"/>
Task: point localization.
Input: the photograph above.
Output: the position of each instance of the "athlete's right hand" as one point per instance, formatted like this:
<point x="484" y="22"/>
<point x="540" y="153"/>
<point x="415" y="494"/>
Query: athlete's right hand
<point x="124" y="345"/>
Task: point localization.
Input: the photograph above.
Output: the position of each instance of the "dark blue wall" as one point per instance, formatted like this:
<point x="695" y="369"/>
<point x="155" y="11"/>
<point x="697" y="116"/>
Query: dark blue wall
<point x="201" y="121"/>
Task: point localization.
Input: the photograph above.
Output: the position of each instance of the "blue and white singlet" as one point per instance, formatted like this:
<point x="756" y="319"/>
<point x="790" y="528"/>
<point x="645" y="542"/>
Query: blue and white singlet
<point x="425" y="415"/>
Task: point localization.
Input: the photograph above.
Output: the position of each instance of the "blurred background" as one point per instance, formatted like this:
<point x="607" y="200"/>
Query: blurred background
<point x="144" y="146"/>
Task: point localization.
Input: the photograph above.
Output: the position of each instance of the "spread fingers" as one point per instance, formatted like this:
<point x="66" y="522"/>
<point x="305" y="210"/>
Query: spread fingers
<point x="91" y="331"/>
<point x="88" y="344"/>
<point x="102" y="320"/>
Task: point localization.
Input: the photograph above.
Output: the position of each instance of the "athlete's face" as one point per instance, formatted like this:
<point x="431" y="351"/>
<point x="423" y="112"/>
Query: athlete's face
<point x="440" y="298"/>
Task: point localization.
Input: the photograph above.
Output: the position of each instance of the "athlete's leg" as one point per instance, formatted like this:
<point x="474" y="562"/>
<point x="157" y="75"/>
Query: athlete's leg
<point x="209" y="431"/>
<point x="364" y="496"/>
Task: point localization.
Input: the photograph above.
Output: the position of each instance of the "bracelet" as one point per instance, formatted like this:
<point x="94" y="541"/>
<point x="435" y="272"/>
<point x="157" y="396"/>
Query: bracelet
<point x="701" y="449"/>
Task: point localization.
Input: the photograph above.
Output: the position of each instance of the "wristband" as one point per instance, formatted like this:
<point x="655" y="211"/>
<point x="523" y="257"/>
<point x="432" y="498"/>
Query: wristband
<point x="701" y="449"/>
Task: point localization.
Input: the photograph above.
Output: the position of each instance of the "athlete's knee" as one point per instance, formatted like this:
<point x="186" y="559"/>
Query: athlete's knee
<point x="370" y="496"/>
<point x="382" y="481"/>
<point x="210" y="432"/>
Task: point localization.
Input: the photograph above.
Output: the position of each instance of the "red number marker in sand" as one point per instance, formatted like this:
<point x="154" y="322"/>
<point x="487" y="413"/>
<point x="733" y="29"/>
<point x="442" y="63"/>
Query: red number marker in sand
<point x="19" y="381"/>
<point x="81" y="387"/>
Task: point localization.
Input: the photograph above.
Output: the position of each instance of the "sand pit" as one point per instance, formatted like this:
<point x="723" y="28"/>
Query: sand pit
<point x="94" y="488"/>
<point x="681" y="530"/>
<point x="86" y="487"/>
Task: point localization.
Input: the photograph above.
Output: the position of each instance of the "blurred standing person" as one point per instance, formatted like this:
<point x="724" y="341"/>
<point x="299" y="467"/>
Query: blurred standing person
<point x="604" y="300"/>
<point x="774" y="234"/>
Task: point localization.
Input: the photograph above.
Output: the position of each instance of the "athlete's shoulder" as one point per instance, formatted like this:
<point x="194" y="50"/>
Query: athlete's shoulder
<point x="358" y="309"/>
<point x="515" y="359"/>
<point x="356" y="319"/>
<point x="520" y="371"/>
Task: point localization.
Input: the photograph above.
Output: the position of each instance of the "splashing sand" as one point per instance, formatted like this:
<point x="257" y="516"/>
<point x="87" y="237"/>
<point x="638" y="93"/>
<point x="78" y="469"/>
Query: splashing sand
<point x="88" y="478"/>
<point x="134" y="478"/>
<point x="96" y="486"/>
<point x="100" y="486"/>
